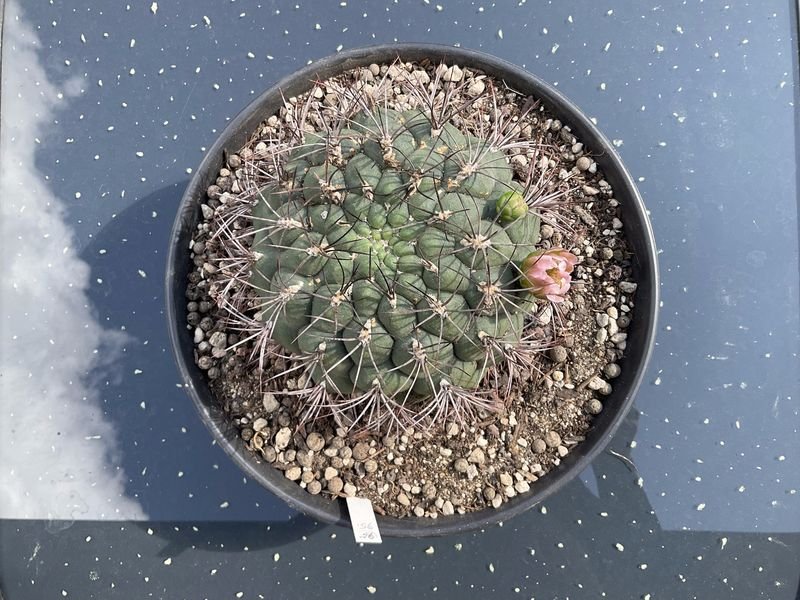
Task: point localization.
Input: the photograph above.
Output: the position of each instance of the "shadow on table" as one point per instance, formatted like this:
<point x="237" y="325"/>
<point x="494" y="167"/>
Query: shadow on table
<point x="597" y="535"/>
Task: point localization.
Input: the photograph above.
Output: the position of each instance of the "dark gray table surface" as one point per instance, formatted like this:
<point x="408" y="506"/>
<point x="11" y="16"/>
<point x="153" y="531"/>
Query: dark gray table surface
<point x="110" y="486"/>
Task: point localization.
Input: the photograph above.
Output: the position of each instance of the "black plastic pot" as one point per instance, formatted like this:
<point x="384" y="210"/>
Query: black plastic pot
<point x="637" y="227"/>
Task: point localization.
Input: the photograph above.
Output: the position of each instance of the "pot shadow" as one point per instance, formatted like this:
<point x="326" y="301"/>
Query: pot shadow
<point x="173" y="466"/>
<point x="161" y="435"/>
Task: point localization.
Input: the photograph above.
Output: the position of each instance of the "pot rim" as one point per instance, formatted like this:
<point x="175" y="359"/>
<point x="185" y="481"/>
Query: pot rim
<point x="637" y="226"/>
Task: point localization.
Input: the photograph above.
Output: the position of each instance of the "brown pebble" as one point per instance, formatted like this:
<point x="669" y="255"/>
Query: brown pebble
<point x="330" y="473"/>
<point x="305" y="459"/>
<point x="461" y="465"/>
<point x="558" y="354"/>
<point x="477" y="456"/>
<point x="314" y="487"/>
<point x="594" y="406"/>
<point x="269" y="454"/>
<point x="403" y="499"/>
<point x="489" y="493"/>
<point x="539" y="445"/>
<point x="552" y="439"/>
<point x="370" y="466"/>
<point x="429" y="491"/>
<point x="293" y="473"/>
<point x="335" y="485"/>
<point x="361" y="451"/>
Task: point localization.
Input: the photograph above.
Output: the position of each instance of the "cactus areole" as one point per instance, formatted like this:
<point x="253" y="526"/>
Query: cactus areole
<point x="387" y="257"/>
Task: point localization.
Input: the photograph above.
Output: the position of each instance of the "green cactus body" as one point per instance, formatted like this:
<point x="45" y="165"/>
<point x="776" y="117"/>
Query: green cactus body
<point x="390" y="252"/>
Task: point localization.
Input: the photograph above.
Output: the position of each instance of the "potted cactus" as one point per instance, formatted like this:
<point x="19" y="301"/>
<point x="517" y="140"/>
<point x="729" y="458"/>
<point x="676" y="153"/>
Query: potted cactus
<point x="385" y="262"/>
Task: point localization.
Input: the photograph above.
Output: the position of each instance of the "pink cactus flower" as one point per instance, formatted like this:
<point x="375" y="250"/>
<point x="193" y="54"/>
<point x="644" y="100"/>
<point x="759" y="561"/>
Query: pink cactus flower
<point x="546" y="273"/>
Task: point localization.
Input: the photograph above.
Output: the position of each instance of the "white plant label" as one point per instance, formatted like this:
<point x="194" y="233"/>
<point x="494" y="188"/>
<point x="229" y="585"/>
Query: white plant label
<point x="362" y="518"/>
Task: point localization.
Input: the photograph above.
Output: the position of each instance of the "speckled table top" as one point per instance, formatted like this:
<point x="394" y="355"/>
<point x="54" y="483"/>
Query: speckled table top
<point x="110" y="486"/>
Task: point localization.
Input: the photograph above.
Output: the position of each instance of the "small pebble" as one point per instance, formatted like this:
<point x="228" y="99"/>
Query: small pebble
<point x="349" y="490"/>
<point x="472" y="472"/>
<point x="539" y="445"/>
<point x="314" y="487"/>
<point x="522" y="486"/>
<point x="453" y="74"/>
<point x="612" y="370"/>
<point x="594" y="406"/>
<point x="335" y="485"/>
<point x="361" y="451"/>
<point x="330" y="473"/>
<point x="477" y="456"/>
<point x="447" y="508"/>
<point x="315" y="441"/>
<point x="552" y="439"/>
<point x="476" y="88"/>
<point x="602" y="319"/>
<point x="282" y="438"/>
<point x="612" y="328"/>
<point x="370" y="466"/>
<point x="270" y="404"/>
<point x="461" y="465"/>
<point x="583" y="163"/>
<point x="259" y="424"/>
<point x="218" y="339"/>
<point x="558" y="354"/>
<point x="546" y="231"/>
<point x="403" y="499"/>
<point x="562" y="451"/>
<point x="293" y="473"/>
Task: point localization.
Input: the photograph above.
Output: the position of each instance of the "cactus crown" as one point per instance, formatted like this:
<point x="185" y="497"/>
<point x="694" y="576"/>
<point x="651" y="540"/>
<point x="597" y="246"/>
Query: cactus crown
<point x="385" y="258"/>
